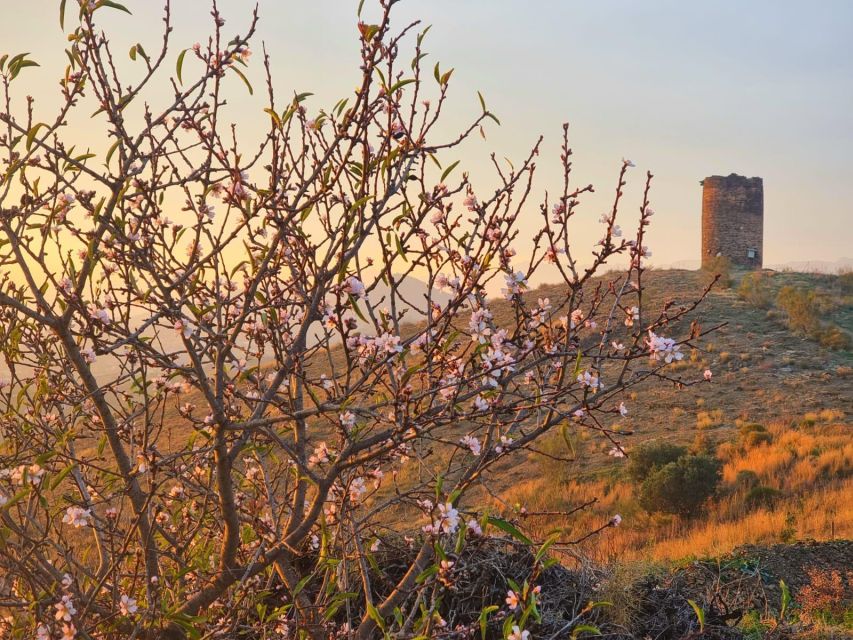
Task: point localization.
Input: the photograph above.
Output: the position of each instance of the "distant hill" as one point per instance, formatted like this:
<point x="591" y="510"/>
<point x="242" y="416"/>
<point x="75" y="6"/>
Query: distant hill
<point x="805" y="266"/>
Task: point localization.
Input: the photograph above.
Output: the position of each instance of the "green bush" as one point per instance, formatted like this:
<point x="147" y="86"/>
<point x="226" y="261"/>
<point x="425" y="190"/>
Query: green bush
<point x="800" y="308"/>
<point x="651" y="456"/>
<point x="806" y="312"/>
<point x="681" y="487"/>
<point x="746" y="479"/>
<point x="753" y="435"/>
<point x="756" y="438"/>
<point x="761" y="496"/>
<point x="722" y="266"/>
<point x="755" y="290"/>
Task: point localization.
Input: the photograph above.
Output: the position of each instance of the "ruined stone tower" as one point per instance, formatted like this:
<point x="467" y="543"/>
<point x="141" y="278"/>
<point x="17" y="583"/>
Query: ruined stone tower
<point x="733" y="220"/>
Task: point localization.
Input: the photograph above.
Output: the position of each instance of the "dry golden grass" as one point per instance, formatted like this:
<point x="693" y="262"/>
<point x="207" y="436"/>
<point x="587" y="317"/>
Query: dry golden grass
<point x="823" y="514"/>
<point x="709" y="419"/>
<point x="810" y="465"/>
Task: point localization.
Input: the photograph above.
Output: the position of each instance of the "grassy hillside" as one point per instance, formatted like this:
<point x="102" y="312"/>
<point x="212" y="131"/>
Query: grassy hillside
<point x="777" y="416"/>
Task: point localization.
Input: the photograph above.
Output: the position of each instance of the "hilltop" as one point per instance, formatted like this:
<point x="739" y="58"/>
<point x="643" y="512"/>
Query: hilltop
<point x="776" y="415"/>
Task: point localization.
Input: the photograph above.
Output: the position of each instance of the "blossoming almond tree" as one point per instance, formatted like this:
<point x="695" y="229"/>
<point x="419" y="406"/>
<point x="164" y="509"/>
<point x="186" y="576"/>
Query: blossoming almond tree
<point x="217" y="381"/>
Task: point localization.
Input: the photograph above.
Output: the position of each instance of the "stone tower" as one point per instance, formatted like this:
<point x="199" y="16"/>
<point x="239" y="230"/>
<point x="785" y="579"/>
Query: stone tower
<point x="733" y="220"/>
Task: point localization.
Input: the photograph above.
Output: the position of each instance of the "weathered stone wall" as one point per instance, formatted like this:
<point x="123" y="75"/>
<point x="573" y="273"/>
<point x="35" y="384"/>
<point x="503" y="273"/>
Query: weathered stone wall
<point x="733" y="220"/>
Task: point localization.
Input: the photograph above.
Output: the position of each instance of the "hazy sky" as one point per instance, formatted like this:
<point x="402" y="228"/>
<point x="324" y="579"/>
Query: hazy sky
<point x="685" y="89"/>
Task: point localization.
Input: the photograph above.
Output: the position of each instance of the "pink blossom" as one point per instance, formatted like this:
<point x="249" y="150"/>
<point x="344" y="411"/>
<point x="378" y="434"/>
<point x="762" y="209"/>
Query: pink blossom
<point x="64" y="609"/>
<point x="354" y="287"/>
<point x="347" y="420"/>
<point x="127" y="605"/>
<point x="474" y="527"/>
<point x="77" y="517"/>
<point x="100" y="314"/>
<point x="357" y="489"/>
<point x="518" y="634"/>
<point x="661" y="348"/>
<point x="472" y="443"/>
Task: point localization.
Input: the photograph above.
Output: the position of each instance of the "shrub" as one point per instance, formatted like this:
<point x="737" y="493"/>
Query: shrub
<point x="681" y="487"/>
<point x="788" y="533"/>
<point x="761" y="496"/>
<point x="805" y="312"/>
<point x="746" y="478"/>
<point x="709" y="419"/>
<point x="754" y="435"/>
<point x="755" y="290"/>
<point x="835" y="338"/>
<point x="721" y="266"/>
<point x="651" y="456"/>
<point x="756" y="438"/>
<point x="702" y="444"/>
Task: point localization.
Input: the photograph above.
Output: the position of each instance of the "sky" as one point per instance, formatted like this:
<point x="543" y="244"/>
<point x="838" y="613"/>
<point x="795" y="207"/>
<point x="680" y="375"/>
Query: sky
<point x="684" y="89"/>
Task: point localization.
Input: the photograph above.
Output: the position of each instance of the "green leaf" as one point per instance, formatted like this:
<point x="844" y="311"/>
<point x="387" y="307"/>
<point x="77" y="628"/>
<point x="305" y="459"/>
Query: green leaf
<point x="373" y="612"/>
<point x="422" y="34"/>
<point x="400" y="250"/>
<point x="358" y="204"/>
<point x="180" y="65"/>
<point x="272" y="114"/>
<point x="18" y="497"/>
<point x="31" y="134"/>
<point x="244" y="79"/>
<point x="62" y="15"/>
<point x="503" y="525"/>
<point x="20" y="62"/>
<point x="786" y="599"/>
<point x="368" y="31"/>
<point x="400" y="84"/>
<point x="585" y="628"/>
<point x="114" y="5"/>
<point x="564" y="431"/>
<point x="427" y="573"/>
<point x="577" y="366"/>
<point x="448" y="171"/>
<point x="358" y="311"/>
<point x="484" y="615"/>
<point x="493" y="117"/>
<point x="482" y="101"/>
<point x="545" y="546"/>
<point x="111" y="151"/>
<point x="301" y="585"/>
<point x="61" y="476"/>
<point x="700" y="615"/>
<point x="132" y="53"/>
